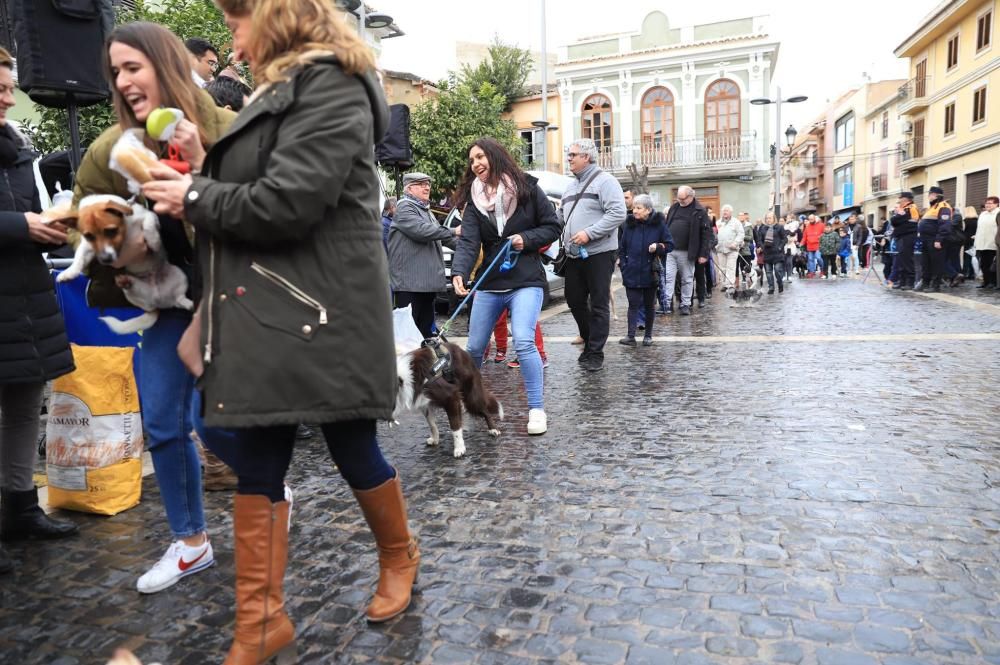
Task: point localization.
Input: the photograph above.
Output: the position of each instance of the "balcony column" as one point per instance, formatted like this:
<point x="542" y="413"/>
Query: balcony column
<point x="569" y="122"/>
<point x="759" y="76"/>
<point x="689" y="115"/>
<point x="624" y="154"/>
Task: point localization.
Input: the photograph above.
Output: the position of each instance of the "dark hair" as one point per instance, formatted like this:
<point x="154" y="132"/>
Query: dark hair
<point x="624" y="189"/>
<point x="173" y="71"/>
<point x="501" y="164"/>
<point x="390" y="203"/>
<point x="227" y="91"/>
<point x="198" y="46"/>
<point x="993" y="199"/>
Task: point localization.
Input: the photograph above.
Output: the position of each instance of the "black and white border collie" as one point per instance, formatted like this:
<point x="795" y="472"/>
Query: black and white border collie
<point x="419" y="391"/>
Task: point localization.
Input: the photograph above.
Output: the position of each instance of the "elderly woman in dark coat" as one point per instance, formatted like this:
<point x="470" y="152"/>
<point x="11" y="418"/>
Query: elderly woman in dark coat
<point x="645" y="240"/>
<point x="33" y="345"/>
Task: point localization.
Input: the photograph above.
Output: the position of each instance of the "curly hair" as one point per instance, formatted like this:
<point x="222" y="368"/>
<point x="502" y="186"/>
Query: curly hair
<point x="287" y="32"/>
<point x="501" y="164"/>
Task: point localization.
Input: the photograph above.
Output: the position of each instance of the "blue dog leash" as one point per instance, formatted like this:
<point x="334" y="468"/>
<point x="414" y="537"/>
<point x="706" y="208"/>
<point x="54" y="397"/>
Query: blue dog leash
<point x="509" y="256"/>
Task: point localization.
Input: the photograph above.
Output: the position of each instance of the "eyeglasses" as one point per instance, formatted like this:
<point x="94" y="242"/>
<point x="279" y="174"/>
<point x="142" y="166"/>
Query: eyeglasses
<point x="571" y="155"/>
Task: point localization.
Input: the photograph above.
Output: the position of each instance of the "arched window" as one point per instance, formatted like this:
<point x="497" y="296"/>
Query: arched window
<point x="657" y="125"/>
<point x="722" y="120"/>
<point x="597" y="122"/>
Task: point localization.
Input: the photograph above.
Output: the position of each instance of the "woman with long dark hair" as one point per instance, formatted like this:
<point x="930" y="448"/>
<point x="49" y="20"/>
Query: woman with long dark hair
<point x="147" y="67"/>
<point x="501" y="202"/>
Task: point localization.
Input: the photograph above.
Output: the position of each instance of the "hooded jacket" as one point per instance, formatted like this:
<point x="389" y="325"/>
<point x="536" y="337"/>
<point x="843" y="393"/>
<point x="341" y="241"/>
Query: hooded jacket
<point x="296" y="319"/>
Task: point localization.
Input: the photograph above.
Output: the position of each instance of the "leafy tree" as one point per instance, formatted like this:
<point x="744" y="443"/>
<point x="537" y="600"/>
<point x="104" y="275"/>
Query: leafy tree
<point x="442" y="129"/>
<point x="506" y="68"/>
<point x="185" y="18"/>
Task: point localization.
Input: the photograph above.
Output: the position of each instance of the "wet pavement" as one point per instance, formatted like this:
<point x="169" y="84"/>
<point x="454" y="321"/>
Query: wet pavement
<point x="808" y="497"/>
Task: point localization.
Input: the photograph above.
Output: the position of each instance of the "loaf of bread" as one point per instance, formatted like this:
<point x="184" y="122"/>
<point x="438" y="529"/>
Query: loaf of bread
<point x="135" y="161"/>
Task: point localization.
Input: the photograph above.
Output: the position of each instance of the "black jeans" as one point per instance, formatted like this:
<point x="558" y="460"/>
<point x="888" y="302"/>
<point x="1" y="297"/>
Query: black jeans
<point x="934" y="263"/>
<point x="986" y="259"/>
<point x="260" y="455"/>
<point x="422" y="305"/>
<point x="645" y="298"/>
<point x="905" y="257"/>
<point x="701" y="284"/>
<point x="588" y="294"/>
<point x="775" y="269"/>
<point x="830" y="263"/>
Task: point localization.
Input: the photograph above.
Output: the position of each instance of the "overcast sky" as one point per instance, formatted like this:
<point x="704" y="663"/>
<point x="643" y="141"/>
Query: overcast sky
<point x="825" y="47"/>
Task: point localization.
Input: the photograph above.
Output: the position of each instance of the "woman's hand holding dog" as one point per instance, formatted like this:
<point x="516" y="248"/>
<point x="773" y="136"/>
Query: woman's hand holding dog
<point x="47" y="234"/>
<point x="186" y="140"/>
<point x="167" y="189"/>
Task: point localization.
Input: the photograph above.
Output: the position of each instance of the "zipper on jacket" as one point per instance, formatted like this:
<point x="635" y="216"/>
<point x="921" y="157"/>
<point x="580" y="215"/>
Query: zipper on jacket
<point x="10" y="191"/>
<point x="291" y="289"/>
<point x="211" y="297"/>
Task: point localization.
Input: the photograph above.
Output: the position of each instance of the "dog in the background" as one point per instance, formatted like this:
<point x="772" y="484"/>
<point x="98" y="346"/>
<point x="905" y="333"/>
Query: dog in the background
<point x="460" y="385"/>
<point x="748" y="292"/>
<point x="128" y="236"/>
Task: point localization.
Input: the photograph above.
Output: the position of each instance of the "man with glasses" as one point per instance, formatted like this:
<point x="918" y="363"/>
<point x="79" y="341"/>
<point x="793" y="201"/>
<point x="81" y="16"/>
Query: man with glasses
<point x="416" y="261"/>
<point x="593" y="207"/>
<point x="204" y="60"/>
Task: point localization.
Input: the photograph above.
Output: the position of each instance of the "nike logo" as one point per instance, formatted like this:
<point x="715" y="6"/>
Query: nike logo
<point x="184" y="565"/>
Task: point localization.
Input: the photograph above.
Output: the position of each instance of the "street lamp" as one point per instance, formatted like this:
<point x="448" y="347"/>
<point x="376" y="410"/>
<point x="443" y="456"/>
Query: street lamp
<point x="790" y="135"/>
<point x="545" y="126"/>
<point x="372" y="21"/>
<point x="778" y="101"/>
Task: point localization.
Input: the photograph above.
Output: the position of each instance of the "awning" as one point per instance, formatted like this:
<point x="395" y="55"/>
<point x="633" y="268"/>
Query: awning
<point x="842" y="215"/>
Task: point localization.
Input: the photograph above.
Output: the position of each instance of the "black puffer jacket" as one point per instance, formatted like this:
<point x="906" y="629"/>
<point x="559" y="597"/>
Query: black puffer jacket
<point x="33" y="344"/>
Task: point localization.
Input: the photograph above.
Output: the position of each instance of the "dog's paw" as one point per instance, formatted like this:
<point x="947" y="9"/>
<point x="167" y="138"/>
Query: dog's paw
<point x="123" y="281"/>
<point x="459" y="451"/>
<point x="432" y="441"/>
<point x="493" y="432"/>
<point x="67" y="275"/>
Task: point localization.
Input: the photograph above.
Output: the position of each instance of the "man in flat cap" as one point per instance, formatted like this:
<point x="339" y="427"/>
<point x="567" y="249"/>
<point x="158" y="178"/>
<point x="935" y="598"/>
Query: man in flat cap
<point x="416" y="261"/>
<point x="904" y="231"/>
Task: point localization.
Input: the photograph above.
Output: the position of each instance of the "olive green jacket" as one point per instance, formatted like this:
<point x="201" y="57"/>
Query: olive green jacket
<point x="296" y="318"/>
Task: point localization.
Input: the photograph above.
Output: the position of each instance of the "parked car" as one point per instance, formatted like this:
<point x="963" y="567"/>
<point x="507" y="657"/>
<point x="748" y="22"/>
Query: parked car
<point x="553" y="184"/>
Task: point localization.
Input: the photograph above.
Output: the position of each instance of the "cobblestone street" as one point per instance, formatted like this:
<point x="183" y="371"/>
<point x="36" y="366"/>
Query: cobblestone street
<point x="815" y="479"/>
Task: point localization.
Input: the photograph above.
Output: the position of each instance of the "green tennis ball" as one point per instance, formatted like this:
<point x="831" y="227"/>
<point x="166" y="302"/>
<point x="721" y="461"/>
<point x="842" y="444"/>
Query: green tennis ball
<point x="161" y="122"/>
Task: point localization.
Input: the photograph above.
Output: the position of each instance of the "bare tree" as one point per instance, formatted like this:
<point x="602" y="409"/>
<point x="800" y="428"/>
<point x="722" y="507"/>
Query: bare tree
<point x="640" y="180"/>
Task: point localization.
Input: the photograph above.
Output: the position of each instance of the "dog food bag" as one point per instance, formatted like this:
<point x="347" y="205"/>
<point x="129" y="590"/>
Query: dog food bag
<point x="405" y="331"/>
<point x="94" y="434"/>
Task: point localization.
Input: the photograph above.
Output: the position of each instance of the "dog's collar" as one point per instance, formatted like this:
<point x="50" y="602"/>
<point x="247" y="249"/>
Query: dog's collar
<point x="442" y="366"/>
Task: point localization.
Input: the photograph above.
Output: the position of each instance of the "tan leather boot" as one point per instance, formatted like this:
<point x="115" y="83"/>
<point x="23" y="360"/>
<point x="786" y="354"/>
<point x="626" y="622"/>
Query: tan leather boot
<point x="263" y="630"/>
<point x="398" y="554"/>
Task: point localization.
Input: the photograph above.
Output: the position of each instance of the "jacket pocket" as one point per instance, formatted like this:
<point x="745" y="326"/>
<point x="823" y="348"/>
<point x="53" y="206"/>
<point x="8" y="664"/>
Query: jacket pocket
<point x="275" y="302"/>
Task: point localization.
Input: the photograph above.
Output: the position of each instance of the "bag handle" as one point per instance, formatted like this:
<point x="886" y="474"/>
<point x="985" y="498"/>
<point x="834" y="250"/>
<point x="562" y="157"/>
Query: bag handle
<point x="582" y="192"/>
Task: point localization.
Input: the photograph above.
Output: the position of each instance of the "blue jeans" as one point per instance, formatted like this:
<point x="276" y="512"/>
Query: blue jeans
<point x="260" y="456"/>
<point x="524" y="304"/>
<point x="813" y="260"/>
<point x="166" y="390"/>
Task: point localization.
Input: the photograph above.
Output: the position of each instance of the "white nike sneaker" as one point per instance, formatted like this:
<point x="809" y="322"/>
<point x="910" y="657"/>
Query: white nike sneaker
<point x="180" y="561"/>
<point x="538" y="422"/>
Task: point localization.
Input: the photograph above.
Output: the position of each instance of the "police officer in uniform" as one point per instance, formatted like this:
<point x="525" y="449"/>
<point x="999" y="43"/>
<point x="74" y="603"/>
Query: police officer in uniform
<point x="904" y="222"/>
<point x="934" y="229"/>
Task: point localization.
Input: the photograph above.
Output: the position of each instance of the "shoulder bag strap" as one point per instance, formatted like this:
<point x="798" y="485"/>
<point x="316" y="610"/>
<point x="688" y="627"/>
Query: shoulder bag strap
<point x="582" y="192"/>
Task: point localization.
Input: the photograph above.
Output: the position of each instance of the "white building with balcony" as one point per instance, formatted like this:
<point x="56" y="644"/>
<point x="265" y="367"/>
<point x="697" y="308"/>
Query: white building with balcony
<point x="677" y="100"/>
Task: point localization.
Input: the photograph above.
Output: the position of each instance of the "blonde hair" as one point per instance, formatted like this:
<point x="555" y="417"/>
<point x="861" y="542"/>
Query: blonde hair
<point x="170" y="62"/>
<point x="286" y="33"/>
<point x="970" y="212"/>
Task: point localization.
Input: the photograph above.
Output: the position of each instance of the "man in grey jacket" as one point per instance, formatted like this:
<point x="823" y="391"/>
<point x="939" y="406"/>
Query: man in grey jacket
<point x="416" y="261"/>
<point x="591" y="242"/>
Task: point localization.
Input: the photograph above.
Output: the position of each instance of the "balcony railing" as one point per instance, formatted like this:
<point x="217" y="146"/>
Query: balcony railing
<point x="708" y="150"/>
<point x="911" y="150"/>
<point x="815" y="196"/>
<point x="880" y="183"/>
<point x="913" y="95"/>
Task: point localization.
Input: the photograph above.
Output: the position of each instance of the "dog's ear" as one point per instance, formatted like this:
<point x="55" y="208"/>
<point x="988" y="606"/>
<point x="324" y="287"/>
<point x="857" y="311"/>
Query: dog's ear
<point x="68" y="219"/>
<point x="117" y="208"/>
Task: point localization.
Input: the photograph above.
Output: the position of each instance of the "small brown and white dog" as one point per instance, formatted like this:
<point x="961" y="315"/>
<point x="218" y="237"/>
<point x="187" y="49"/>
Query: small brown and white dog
<point x="462" y="386"/>
<point x="128" y="236"/>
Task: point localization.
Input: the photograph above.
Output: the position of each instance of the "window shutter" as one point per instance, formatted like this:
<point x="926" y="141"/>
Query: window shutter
<point x="950" y="187"/>
<point x="977" y="189"/>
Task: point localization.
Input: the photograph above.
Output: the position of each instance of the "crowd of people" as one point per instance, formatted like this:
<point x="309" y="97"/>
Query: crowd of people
<point x="271" y="234"/>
